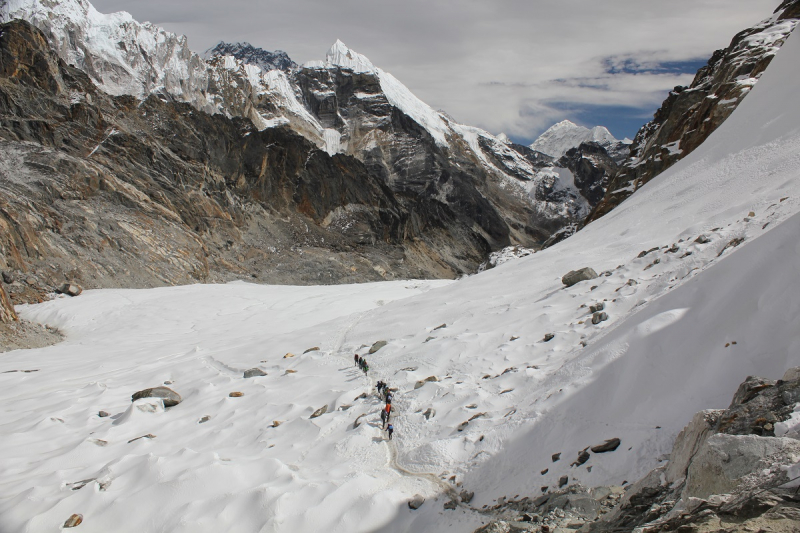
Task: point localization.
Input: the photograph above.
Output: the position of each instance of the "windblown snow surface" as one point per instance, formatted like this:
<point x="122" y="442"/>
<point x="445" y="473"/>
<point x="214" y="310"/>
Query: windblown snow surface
<point x="666" y="352"/>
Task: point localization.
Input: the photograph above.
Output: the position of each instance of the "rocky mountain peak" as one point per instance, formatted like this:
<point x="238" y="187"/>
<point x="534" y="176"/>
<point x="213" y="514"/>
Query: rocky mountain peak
<point x="252" y="55"/>
<point x="560" y="137"/>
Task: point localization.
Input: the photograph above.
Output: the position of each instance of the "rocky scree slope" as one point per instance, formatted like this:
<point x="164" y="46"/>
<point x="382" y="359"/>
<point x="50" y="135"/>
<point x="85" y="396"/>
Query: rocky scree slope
<point x="114" y="191"/>
<point x="343" y="105"/>
<point x="690" y="114"/>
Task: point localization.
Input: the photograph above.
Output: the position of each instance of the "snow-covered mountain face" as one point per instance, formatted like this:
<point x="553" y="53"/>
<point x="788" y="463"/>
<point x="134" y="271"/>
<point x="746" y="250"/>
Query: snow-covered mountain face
<point x="343" y="104"/>
<point x="690" y="114"/>
<point x="559" y="138"/>
<point x="249" y="54"/>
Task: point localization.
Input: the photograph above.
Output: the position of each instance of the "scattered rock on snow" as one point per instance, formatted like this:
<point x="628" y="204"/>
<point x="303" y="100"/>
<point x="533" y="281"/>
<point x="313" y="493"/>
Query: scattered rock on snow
<point x="74" y="520"/>
<point x="556" y="456"/>
<point x="583" y="456"/>
<point x="416" y="502"/>
<point x="466" y="496"/>
<point x="103" y="414"/>
<point x="732" y="244"/>
<point x="702" y="239"/>
<point x="451" y="505"/>
<point x="254" y="373"/>
<point x="599" y="317"/>
<point x="429" y="379"/>
<point x="575" y="276"/>
<point x="645" y="252"/>
<point x="288" y="355"/>
<point x="597" y="307"/>
<point x="608" y="446"/>
<point x="148" y="436"/>
<point x="236" y="394"/>
<point x="563" y="480"/>
<point x="440" y="327"/>
<point x="319" y="412"/>
<point x="203" y="420"/>
<point x="429" y="413"/>
<point x="548" y="337"/>
<point x="377" y="346"/>
<point x="314" y="349"/>
<point x="169" y="396"/>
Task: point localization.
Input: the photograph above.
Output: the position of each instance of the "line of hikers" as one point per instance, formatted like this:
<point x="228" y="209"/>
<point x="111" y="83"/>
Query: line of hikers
<point x="361" y="362"/>
<point x="383" y="392"/>
<point x="386" y="412"/>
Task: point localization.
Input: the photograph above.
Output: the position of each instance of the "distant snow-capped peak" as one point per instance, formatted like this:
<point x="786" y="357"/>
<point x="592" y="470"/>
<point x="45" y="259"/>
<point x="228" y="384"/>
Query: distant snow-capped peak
<point x="342" y="56"/>
<point x="252" y="55"/>
<point x="566" y="134"/>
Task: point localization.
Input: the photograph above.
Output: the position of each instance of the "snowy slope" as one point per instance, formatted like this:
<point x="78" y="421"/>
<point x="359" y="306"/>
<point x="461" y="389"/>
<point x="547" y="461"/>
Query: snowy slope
<point x="565" y="135"/>
<point x="660" y="357"/>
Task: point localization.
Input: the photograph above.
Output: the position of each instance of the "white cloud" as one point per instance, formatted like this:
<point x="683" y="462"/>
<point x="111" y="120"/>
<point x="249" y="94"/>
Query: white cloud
<point x="497" y="64"/>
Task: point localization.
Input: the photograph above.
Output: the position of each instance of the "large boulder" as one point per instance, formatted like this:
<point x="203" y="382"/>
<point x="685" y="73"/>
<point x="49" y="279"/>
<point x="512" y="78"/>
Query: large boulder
<point x="254" y="373"/>
<point x="377" y="346"/>
<point x="70" y="289"/>
<point x="575" y="276"/>
<point x="724" y="459"/>
<point x="416" y="502"/>
<point x="688" y="443"/>
<point x="169" y="396"/>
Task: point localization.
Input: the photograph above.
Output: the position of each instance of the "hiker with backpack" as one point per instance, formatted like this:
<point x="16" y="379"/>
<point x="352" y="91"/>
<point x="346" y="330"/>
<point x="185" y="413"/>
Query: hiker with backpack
<point x="390" y="429"/>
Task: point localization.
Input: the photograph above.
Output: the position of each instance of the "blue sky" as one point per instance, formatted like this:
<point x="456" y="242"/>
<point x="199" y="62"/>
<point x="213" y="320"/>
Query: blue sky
<point x="511" y="66"/>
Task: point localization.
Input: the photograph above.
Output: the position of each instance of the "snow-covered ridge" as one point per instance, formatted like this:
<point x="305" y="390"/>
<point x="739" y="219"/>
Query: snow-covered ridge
<point x="566" y="134"/>
<point x="121" y="55"/>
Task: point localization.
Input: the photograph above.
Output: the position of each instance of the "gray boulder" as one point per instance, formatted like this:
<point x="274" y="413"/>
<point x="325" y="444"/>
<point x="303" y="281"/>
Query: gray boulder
<point x="416" y="502"/>
<point x="466" y="496"/>
<point x="254" y="373"/>
<point x="8" y="277"/>
<point x="170" y="397"/>
<point x="724" y="459"/>
<point x="548" y="337"/>
<point x="599" y="317"/>
<point x="377" y="346"/>
<point x="597" y="307"/>
<point x="575" y="276"/>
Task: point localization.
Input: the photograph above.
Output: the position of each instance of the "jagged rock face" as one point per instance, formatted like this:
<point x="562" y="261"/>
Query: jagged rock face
<point x="592" y="167"/>
<point x="690" y="114"/>
<point x="110" y="191"/>
<point x="250" y="55"/>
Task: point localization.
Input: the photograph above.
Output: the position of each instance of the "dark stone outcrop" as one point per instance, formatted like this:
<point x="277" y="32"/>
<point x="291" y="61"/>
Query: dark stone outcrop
<point x="608" y="446"/>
